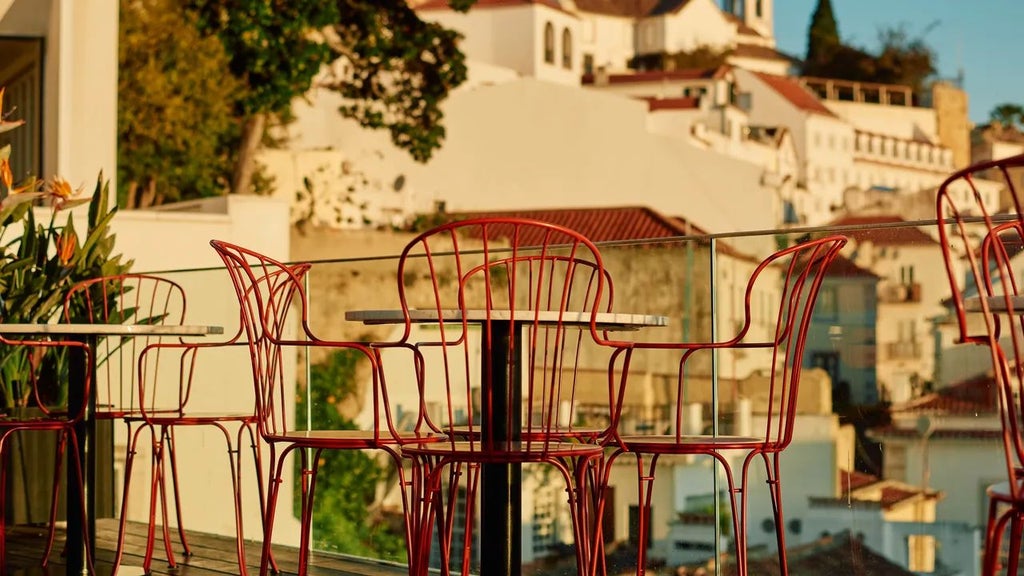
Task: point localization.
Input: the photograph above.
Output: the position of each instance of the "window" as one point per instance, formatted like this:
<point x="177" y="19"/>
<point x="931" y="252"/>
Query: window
<point x="588" y="63"/>
<point x="759" y="8"/>
<point x="549" y="43"/>
<point x="907" y="274"/>
<point x="566" y="49"/>
<point x="23" y="97"/>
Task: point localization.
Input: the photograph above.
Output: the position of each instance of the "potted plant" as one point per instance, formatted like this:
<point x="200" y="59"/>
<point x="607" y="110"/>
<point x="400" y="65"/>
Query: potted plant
<point x="39" y="261"/>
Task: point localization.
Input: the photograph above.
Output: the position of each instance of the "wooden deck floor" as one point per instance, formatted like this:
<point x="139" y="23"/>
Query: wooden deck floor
<point x="212" y="555"/>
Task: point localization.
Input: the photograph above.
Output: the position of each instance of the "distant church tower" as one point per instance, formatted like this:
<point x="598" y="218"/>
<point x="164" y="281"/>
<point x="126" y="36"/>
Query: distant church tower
<point x="757" y="14"/>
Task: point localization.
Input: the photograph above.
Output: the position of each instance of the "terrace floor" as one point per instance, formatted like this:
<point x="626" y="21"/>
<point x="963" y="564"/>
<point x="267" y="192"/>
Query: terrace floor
<point x="212" y="555"/>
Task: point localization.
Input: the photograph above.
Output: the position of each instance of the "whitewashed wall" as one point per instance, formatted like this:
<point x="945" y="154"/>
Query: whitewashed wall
<point x="172" y="240"/>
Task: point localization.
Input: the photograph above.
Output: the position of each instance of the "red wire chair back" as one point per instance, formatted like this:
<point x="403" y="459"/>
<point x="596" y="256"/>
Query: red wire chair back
<point x="791" y="278"/>
<point x="979" y="245"/>
<point x="126" y="299"/>
<point x="267" y="289"/>
<point x="526" y="291"/>
<point x="966" y="207"/>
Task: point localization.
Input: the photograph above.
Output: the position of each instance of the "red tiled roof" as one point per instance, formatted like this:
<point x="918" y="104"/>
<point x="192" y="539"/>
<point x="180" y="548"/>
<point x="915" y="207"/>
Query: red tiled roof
<point x="796" y="93"/>
<point x="895" y="236"/>
<point x="597" y="224"/>
<point x="973" y="396"/>
<point x="659" y="76"/>
<point x="758" y="51"/>
<point x="443" y="4"/>
<point x="837" y="555"/>
<point x="684" y="103"/>
<point x="668" y="7"/>
<point x="845" y="268"/>
<point x="892" y="495"/>
<point x="852" y="480"/>
<point x="628" y="8"/>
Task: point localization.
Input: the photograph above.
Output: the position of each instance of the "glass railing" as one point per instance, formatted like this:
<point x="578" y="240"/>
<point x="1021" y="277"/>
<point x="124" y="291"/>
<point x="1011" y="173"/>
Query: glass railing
<point x="895" y="439"/>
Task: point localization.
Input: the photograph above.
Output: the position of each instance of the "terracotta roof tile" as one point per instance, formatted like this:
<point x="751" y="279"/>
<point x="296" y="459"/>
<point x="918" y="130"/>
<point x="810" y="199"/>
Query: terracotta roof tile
<point x="483" y="4"/>
<point x="757" y="51"/>
<point x="668" y="7"/>
<point x="852" y="480"/>
<point x="978" y="395"/>
<point x="796" y="93"/>
<point x="836" y="554"/>
<point x="628" y="8"/>
<point x="845" y="268"/>
<point x="894" y="236"/>
<point x="598" y="224"/>
<point x="659" y="76"/>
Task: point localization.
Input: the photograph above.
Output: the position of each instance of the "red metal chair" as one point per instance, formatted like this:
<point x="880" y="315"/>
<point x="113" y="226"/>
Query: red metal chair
<point x="510" y="305"/>
<point x="793" y="277"/>
<point x="131" y="389"/>
<point x="36" y="407"/>
<point x="978" y="246"/>
<point x="266" y="289"/>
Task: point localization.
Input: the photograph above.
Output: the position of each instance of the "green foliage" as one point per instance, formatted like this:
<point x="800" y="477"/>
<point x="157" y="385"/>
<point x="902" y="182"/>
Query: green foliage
<point x="900" y="58"/>
<point x="36" y="268"/>
<point x="1008" y="115"/>
<point x="172" y="78"/>
<point x="399" y="70"/>
<point x="823" y="35"/>
<point x="347" y="480"/>
<point x="39" y="262"/>
<point x="271" y="46"/>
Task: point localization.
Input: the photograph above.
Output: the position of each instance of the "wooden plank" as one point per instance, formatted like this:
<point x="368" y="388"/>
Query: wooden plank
<point x="213" y="555"/>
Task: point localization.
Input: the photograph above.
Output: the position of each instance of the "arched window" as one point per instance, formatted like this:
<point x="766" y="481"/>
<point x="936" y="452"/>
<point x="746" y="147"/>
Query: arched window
<point x="566" y="49"/>
<point x="759" y="9"/>
<point x="549" y="43"/>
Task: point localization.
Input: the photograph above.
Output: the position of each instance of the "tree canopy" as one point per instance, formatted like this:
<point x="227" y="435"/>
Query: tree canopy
<point x="823" y="35"/>
<point x="392" y="69"/>
<point x="175" y="122"/>
<point x="1008" y="115"/>
<point x="899" y="59"/>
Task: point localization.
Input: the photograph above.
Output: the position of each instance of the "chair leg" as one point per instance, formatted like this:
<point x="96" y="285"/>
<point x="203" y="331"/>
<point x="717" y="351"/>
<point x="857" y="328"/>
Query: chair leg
<point x="645" y="491"/>
<point x="155" y="492"/>
<point x="738" y="509"/>
<point x="990" y="560"/>
<point x="273" y="488"/>
<point x="774" y="474"/>
<point x="129" y="462"/>
<point x="235" y="463"/>
<point x="80" y="484"/>
<point x="62" y="442"/>
<point x="261" y="483"/>
<point x="172" y="457"/>
<point x="306" y="521"/>
<point x="1016" y="532"/>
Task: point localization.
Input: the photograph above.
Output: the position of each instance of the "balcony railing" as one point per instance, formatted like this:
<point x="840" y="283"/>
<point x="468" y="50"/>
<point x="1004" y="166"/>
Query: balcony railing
<point x="830" y="487"/>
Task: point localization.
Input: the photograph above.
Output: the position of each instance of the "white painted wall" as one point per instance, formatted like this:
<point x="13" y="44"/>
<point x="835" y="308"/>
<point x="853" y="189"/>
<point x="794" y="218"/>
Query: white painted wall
<point x="698" y="23"/>
<point x="165" y="240"/>
<point x="609" y="39"/>
<point x="532" y="144"/>
<point x="80" y="78"/>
